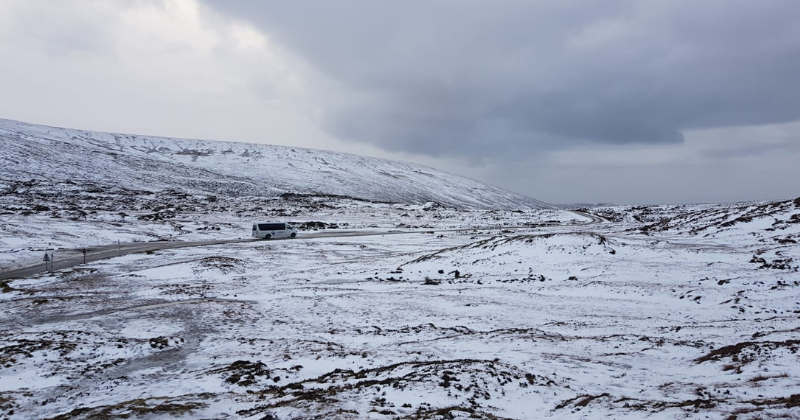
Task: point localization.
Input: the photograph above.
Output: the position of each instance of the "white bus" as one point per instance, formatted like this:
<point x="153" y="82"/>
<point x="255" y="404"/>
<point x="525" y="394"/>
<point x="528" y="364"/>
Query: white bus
<point x="274" y="230"/>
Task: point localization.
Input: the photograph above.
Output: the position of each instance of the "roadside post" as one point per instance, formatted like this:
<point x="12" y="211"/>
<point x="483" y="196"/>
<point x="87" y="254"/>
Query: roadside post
<point x="84" y="255"/>
<point x="46" y="260"/>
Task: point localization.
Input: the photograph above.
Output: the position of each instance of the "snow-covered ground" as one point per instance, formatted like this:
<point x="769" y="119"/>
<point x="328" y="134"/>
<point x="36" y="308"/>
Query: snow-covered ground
<point x="662" y="312"/>
<point x="67" y="217"/>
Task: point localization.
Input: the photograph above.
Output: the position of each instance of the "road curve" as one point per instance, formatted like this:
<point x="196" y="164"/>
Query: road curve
<point x="595" y="218"/>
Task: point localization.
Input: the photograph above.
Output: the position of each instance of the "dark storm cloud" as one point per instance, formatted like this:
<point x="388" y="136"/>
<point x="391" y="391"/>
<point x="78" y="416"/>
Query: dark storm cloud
<point x="473" y="78"/>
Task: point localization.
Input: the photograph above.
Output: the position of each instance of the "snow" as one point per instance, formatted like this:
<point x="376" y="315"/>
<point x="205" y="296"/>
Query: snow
<point x="388" y="310"/>
<point x="564" y="321"/>
<point x="233" y="169"/>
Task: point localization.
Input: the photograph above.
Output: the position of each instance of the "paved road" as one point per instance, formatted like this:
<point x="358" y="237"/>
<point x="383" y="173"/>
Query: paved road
<point x="116" y="250"/>
<point x="595" y="219"/>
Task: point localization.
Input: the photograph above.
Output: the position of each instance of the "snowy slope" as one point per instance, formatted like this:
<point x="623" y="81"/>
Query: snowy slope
<point x="623" y="319"/>
<point x="233" y="169"/>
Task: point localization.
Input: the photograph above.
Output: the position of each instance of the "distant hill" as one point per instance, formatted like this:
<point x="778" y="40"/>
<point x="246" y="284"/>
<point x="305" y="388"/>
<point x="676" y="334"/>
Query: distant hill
<point x="54" y="154"/>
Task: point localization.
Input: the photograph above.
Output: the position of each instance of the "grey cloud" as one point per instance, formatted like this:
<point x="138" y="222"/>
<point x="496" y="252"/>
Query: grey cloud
<point x="64" y="28"/>
<point x="475" y="78"/>
<point x="788" y="148"/>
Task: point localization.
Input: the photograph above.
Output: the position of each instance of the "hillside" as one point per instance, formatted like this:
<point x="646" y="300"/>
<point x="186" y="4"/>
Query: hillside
<point x="400" y="312"/>
<point x="232" y="169"/>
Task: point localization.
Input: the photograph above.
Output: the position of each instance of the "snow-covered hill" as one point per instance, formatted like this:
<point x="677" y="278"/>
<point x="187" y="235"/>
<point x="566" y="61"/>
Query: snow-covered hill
<point x="233" y="169"/>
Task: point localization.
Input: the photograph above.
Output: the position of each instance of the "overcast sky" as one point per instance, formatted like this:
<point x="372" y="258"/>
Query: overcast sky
<point x="672" y="101"/>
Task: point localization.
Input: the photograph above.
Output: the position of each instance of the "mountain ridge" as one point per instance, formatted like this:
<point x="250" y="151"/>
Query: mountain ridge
<point x="236" y="169"/>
